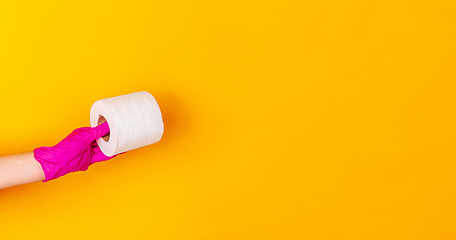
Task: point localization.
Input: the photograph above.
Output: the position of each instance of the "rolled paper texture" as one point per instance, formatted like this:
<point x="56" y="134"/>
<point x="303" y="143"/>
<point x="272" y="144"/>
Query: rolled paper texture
<point x="134" y="120"/>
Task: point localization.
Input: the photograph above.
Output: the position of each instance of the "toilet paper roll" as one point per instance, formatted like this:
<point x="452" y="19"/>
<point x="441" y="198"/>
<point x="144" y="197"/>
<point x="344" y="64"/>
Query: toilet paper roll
<point x="134" y="120"/>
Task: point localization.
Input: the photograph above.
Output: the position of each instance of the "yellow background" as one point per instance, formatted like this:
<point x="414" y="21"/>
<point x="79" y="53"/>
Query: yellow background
<point x="308" y="119"/>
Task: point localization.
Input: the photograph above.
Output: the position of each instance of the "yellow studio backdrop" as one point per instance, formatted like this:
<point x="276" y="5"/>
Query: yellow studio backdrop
<point x="309" y="119"/>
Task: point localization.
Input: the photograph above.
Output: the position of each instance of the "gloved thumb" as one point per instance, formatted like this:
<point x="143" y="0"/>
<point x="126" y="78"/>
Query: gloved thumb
<point x="98" y="131"/>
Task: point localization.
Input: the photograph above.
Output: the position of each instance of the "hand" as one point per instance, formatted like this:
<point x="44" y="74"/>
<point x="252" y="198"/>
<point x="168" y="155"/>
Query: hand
<point x="74" y="153"/>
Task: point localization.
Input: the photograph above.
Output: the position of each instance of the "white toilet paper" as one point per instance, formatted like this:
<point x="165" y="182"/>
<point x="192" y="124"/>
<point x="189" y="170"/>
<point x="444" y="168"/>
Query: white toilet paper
<point x="134" y="120"/>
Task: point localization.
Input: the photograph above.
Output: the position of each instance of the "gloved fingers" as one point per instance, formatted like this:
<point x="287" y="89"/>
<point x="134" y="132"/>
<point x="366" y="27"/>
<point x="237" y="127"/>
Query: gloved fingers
<point x="98" y="131"/>
<point x="99" y="156"/>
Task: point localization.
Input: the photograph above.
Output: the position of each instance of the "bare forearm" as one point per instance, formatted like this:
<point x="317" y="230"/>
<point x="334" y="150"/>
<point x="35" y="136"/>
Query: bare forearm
<point x="19" y="169"/>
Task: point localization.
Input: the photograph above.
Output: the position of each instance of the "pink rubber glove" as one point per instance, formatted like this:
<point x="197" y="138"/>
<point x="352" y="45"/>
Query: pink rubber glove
<point x="74" y="153"/>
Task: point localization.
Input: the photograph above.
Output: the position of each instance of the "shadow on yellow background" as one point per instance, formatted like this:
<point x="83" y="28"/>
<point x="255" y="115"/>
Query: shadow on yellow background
<point x="176" y="117"/>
